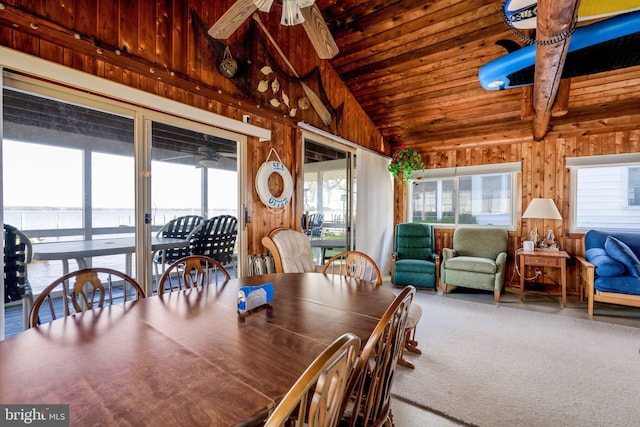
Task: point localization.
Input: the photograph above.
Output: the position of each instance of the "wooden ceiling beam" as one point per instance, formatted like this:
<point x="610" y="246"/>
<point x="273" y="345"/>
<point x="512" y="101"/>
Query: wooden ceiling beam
<point x="555" y="20"/>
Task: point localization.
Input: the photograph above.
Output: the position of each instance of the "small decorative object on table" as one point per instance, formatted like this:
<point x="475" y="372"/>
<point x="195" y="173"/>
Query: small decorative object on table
<point x="534" y="236"/>
<point x="404" y="162"/>
<point x="252" y="297"/>
<point x="549" y="242"/>
<point x="551" y="239"/>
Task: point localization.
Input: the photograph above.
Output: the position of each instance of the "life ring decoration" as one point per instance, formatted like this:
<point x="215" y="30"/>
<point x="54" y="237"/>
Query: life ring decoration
<point x="262" y="183"/>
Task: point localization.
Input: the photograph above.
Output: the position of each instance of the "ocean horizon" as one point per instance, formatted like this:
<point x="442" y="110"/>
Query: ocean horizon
<point x="54" y="218"/>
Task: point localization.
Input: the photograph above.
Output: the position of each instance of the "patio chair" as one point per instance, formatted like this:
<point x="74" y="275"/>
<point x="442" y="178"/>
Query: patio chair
<point x="314" y="227"/>
<point x="368" y="401"/>
<point x="179" y="228"/>
<point x="316" y="398"/>
<point x="216" y="239"/>
<point x="83" y="290"/>
<point x="189" y="272"/>
<point x="17" y="254"/>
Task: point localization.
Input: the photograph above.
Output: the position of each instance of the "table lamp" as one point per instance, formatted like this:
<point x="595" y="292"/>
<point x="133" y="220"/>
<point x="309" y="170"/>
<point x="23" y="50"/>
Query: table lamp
<point x="542" y="209"/>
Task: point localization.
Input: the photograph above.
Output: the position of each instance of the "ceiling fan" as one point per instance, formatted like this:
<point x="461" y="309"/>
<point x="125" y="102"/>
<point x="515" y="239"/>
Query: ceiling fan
<point x="207" y="157"/>
<point x="294" y="12"/>
<point x="210" y="159"/>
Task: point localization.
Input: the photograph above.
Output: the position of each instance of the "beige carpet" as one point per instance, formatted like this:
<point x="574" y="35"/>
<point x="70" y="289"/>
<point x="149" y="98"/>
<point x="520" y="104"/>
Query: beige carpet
<point x="492" y="366"/>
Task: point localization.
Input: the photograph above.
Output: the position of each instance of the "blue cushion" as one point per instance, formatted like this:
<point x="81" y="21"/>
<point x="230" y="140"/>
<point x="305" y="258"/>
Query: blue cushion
<point x="619" y="285"/>
<point x="621" y="253"/>
<point x="605" y="265"/>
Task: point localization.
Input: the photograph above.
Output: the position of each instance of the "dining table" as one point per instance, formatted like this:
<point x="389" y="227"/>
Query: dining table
<point x="325" y="244"/>
<point x="189" y="357"/>
<point x="82" y="250"/>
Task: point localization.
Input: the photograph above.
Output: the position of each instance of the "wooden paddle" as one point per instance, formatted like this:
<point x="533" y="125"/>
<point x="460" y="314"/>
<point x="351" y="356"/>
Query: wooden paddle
<point x="315" y="100"/>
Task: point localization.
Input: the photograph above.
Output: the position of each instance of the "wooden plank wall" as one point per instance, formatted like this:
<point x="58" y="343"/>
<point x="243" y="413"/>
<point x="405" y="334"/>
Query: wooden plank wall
<point x="544" y="174"/>
<point x="153" y="46"/>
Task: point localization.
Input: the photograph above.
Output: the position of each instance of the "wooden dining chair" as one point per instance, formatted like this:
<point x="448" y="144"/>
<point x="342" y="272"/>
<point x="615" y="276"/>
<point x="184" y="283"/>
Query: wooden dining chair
<point x="189" y="272"/>
<point x="83" y="290"/>
<point x="362" y="266"/>
<point x="368" y="396"/>
<point x="316" y="398"/>
<point x="353" y="264"/>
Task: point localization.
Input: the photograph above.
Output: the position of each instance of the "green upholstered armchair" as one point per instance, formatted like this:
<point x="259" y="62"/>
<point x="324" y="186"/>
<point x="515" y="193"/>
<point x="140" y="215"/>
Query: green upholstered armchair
<point x="478" y="260"/>
<point x="414" y="261"/>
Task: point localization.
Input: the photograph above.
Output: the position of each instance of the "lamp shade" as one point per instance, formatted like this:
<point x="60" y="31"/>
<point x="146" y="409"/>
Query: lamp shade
<point x="542" y="209"/>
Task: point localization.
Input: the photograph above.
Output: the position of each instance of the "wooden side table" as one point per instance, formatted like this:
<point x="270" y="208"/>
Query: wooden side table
<point x="549" y="259"/>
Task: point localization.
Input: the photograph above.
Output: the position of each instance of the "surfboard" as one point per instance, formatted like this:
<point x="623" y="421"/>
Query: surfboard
<point x="606" y="45"/>
<point x="522" y="13"/>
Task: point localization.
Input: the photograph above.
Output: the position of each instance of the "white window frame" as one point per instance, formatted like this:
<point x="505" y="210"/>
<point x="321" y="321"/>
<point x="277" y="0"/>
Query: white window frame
<point x="512" y="168"/>
<point x="610" y="160"/>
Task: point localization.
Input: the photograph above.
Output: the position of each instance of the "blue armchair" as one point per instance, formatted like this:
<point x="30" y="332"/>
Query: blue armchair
<point x="414" y="261"/>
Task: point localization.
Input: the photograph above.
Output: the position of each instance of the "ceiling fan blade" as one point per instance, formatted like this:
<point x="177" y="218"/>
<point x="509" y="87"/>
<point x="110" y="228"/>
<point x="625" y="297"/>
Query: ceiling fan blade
<point x="318" y="32"/>
<point x="232" y="19"/>
<point x="166" y="159"/>
<point x="229" y="155"/>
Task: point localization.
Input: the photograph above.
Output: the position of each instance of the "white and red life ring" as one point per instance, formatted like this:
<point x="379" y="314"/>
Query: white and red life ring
<point x="262" y="184"/>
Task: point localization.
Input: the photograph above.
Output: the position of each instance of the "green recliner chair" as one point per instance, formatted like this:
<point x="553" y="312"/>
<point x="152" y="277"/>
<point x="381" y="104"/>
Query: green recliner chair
<point x="414" y="261"/>
<point x="477" y="260"/>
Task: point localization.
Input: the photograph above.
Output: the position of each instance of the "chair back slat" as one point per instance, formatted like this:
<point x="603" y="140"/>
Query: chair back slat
<point x="91" y="288"/>
<point x="353" y="264"/>
<point x="316" y="399"/>
<point x="216" y="239"/>
<point x="189" y="272"/>
<point x="17" y="254"/>
<point x="369" y="389"/>
<point x="179" y="228"/>
<point x="314" y="227"/>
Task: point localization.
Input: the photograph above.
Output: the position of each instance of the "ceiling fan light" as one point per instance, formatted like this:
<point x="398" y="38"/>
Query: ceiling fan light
<point x="208" y="163"/>
<point x="291" y="13"/>
<point x="263" y="5"/>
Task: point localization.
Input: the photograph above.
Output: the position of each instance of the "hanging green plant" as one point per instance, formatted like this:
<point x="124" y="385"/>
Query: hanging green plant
<point x="404" y="162"/>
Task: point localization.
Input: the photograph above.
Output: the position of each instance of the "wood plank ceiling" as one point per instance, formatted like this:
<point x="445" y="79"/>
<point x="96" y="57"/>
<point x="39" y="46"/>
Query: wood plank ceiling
<point x="413" y="66"/>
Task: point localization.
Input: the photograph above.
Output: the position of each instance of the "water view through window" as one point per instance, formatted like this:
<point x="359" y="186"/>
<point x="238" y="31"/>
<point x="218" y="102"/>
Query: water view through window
<point x="69" y="174"/>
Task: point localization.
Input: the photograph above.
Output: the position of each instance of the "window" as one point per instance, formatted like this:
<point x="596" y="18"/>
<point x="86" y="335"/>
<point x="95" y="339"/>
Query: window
<point x="480" y="195"/>
<point x="605" y="192"/>
<point x="69" y="171"/>
<point x="634" y="186"/>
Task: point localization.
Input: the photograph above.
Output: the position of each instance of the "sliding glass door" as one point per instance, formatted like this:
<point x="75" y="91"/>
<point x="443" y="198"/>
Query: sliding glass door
<point x="89" y="181"/>
<point x="328" y="197"/>
<point x="194" y="174"/>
